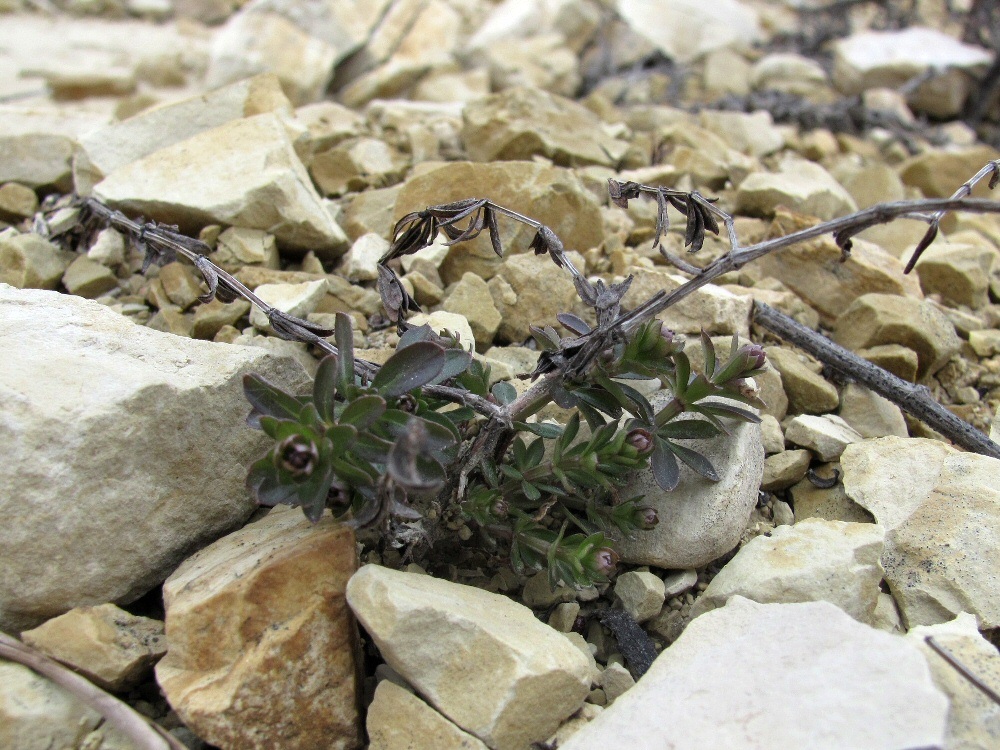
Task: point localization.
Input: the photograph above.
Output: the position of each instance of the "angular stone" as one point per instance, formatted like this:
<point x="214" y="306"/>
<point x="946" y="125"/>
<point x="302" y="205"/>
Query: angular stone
<point x="615" y="681"/>
<point x="700" y="520"/>
<point x="107" y="645"/>
<point x="784" y="469"/>
<point x="874" y="319"/>
<point x="829" y="503"/>
<point x="959" y="273"/>
<point x="471" y="297"/>
<point x="181" y="284"/>
<point x="529" y="290"/>
<point x="679" y="582"/>
<point x="939" y="173"/>
<point x="210" y="318"/>
<point x="543" y="61"/>
<point x="554" y="196"/>
<point x="447" y="322"/>
<point x="113" y="146"/>
<point x="361" y="261"/>
<point x="37" y="714"/>
<point x="254" y="612"/>
<point x="791" y="74"/>
<point x="28" y="261"/>
<point x="752" y="133"/>
<point x="244" y="172"/>
<point x="719" y="25"/>
<point x="900" y="360"/>
<point x="985" y="343"/>
<point x="870" y="414"/>
<point x="800" y="185"/>
<point x="641" y="594"/>
<point x="812" y="561"/>
<point x="108" y="249"/>
<point x="76" y="369"/>
<point x="37" y="145"/>
<point x="356" y="165"/>
<point x="728" y="681"/>
<point x="85" y="278"/>
<point x="825" y="435"/>
<point x="295" y="299"/>
<point x="808" y="391"/>
<point x="521" y="123"/>
<point x="399" y="720"/>
<point x="239" y="246"/>
<point x="17" y="201"/>
<point x="941" y="510"/>
<point x="711" y="308"/>
<point x="528" y="677"/>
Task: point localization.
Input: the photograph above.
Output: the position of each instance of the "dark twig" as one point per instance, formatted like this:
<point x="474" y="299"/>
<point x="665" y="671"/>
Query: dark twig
<point x="635" y="644"/>
<point x="962" y="669"/>
<point x="911" y="398"/>
<point x="143" y="733"/>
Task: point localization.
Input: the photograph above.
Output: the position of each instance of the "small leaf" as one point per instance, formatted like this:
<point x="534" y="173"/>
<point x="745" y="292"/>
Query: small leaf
<point x="708" y="349"/>
<point x="542" y="429"/>
<point x="341" y="437"/>
<point x="924" y="243"/>
<point x="344" y="337"/>
<point x="325" y="387"/>
<point x="574" y="323"/>
<point x="504" y="392"/>
<point x="664" y="467"/>
<point x="268" y="399"/>
<point x="695" y="460"/>
<point x="363" y="412"/>
<point x="535" y="452"/>
<point x="729" y="410"/>
<point x="530" y="491"/>
<point x="411" y="368"/>
<point x="688" y="429"/>
<point x="456" y="362"/>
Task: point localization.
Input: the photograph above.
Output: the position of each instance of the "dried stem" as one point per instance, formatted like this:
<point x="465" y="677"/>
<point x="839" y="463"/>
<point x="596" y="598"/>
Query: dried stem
<point x="143" y="733"/>
<point x="962" y="669"/>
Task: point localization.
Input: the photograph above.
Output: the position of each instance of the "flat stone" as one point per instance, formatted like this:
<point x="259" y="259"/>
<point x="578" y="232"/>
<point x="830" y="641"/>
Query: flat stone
<point x="870" y="414"/>
<point x="874" y="319"/>
<point x="28" y="261"/>
<point x="108" y="249"/>
<point x="254" y="612"/>
<point x="77" y="369"/>
<point x="471" y="297"/>
<point x="85" y="278"/>
<point x="244" y="172"/>
<point x="543" y="61"/>
<point x="829" y="503"/>
<point x="985" y="343"/>
<point x="791" y="74"/>
<point x="529" y="290"/>
<point x="356" y="165"/>
<point x="371" y="212"/>
<point x="784" y="469"/>
<point x="700" y="520"/>
<point x="441" y="321"/>
<point x="110" y="647"/>
<point x="721" y="25"/>
<point x="939" y="508"/>
<point x="800" y="185"/>
<point x="825" y="435"/>
<point x="900" y="360"/>
<point x="615" y="681"/>
<point x="37" y="145"/>
<point x="641" y="593"/>
<point x="399" y="720"/>
<point x="711" y="308"/>
<point x="361" y="261"/>
<point x="812" y="561"/>
<point x="939" y="172"/>
<point x="752" y="133"/>
<point x="295" y="299"/>
<point x="729" y="682"/>
<point x="808" y="391"/>
<point x="181" y="283"/>
<point x="520" y="123"/>
<point x="210" y="318"/>
<point x="239" y="246"/>
<point x="973" y="719"/>
<point x="528" y="677"/>
<point x="17" y="201"/>
<point x="563" y="617"/>
<point x="959" y="273"/>
<point x="771" y="434"/>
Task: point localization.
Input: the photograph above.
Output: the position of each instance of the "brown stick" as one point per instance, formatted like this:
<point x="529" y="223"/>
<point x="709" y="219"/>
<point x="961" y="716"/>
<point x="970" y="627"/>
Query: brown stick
<point x="911" y="398"/>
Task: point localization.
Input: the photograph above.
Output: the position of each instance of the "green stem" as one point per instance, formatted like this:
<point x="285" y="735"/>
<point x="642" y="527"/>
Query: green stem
<point x="674" y="409"/>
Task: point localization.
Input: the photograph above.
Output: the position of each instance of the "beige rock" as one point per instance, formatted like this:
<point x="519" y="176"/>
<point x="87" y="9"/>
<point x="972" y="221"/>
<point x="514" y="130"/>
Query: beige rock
<point x="399" y="720"/>
<point x="77" y="370"/>
<point x="800" y="185"/>
<point x="471" y="298"/>
<point x="870" y="414"/>
<point x="752" y="133"/>
<point x="528" y="677"/>
<point x="726" y="72"/>
<point x="790" y="73"/>
<point x="361" y="261"/>
<point x="240" y="246"/>
<point x="529" y="290"/>
<point x="939" y="173"/>
<point x="85" y="278"/>
<point x="831" y="504"/>
<point x="181" y="284"/>
<point x="108" y="249"/>
<point x="901" y="361"/>
<point x="711" y="308"/>
<point x="520" y="123"/>
<point x="703" y="156"/>
<point x="886" y="615"/>
<point x="513" y="19"/>
<point x="784" y="469"/>
<point x="959" y="273"/>
<point x="985" y="343"/>
<point x="563" y="617"/>
<point x="814" y="560"/>
<point x="210" y="318"/>
<point x="873" y="183"/>
<point x="808" y="391"/>
<point x="355" y="165"/>
<point x="939" y="508"/>
<point x="110" y="647"/>
<point x="295" y="299"/>
<point x="254" y="612"/>
<point x="37" y="714"/>
<point x="825" y="435"/>
<point x="37" y="145"/>
<point x="729" y="682"/>
<point x="447" y="322"/>
<point x="875" y="319"/>
<point x="615" y="681"/>
<point x="243" y="173"/>
<point x="641" y="594"/>
<point x="544" y="61"/>
<point x="327" y="124"/>
<point x="772" y="435"/>
<point x="519" y="359"/>
<point x="538" y="592"/>
<point x="17" y="201"/>
<point x="27" y="261"/>
<point x="973" y="719"/>
<point x="255" y="276"/>
<point x="117" y="144"/>
<point x="720" y="25"/>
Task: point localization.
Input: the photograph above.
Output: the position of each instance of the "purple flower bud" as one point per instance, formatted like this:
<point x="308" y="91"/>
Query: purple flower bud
<point x="646" y="518"/>
<point x="500" y="508"/>
<point x="640" y="439"/>
<point x="297" y="455"/>
<point x="753" y="355"/>
<point x="604" y="561"/>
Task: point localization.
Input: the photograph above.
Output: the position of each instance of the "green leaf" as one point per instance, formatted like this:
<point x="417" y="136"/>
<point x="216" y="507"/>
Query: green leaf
<point x="530" y="491"/>
<point x="269" y="400"/>
<point x="325" y="387"/>
<point x="520" y="450"/>
<point x="688" y="429"/>
<point x="456" y="362"/>
<point x="415" y="334"/>
<point x="542" y="429"/>
<point x="695" y="460"/>
<point x="363" y="412"/>
<point x="313" y="492"/>
<point x="368" y="447"/>
<point x="504" y="392"/>
<point x="708" y="348"/>
<point x="510" y="472"/>
<point x="535" y="452"/>
<point x="309" y="417"/>
<point x="344" y="338"/>
<point x="728" y="410"/>
<point x="351" y="473"/>
<point x="341" y="438"/>
<point x="682" y="375"/>
<point x="664" y="466"/>
<point x="410" y="368"/>
<point x="571" y="431"/>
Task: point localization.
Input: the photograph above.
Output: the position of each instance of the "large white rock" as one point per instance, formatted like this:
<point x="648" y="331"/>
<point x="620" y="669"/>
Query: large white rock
<point x="244" y="173"/>
<point x="481" y="659"/>
<point x="700" y="520"/>
<point x="813" y="561"/>
<point x="37" y="144"/>
<point x="941" y="510"/>
<point x="762" y="676"/>
<point x="124" y="450"/>
<point x="685" y="30"/>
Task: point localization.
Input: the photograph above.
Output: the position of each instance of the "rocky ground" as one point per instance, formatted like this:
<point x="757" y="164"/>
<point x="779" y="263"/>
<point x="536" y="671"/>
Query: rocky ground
<point x="784" y="610"/>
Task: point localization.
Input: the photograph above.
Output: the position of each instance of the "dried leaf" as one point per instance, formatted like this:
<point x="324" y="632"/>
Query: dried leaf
<point x="924" y="243"/>
<point x="395" y="300"/>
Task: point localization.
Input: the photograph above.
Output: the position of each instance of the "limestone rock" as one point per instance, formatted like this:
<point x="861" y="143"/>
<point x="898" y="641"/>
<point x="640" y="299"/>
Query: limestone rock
<point x="938" y="172"/>
<point x="17" y="202"/>
<point x="76" y="377"/>
<point x="679" y="582"/>
<point x="210" y="318"/>
<point x="471" y="297"/>
<point x="529" y="290"/>
<point x="985" y="343"/>
<point x="239" y="246"/>
<point x="244" y="172"/>
<point x="253" y="613"/>
<point x="361" y="261"/>
<point x="900" y="360"/>
<point x="355" y="165"/>
<point x="874" y="319"/>
<point x="800" y="185"/>
<point x="86" y="278"/>
<point x="37" y="714"/>
<point x="528" y="677"/>
<point x="110" y="647"/>
<point x="771" y="433"/>
<point x="791" y="74"/>
<point x="554" y="196"/>
<point x="544" y="61"/>
<point x="870" y="414"/>
<point x="615" y="680"/>
<point x="685" y="30"/>
<point x="28" y="261"/>
<point x="830" y="503"/>
<point x="641" y="594"/>
<point x="37" y="145"/>
<point x="826" y="435"/>
<point x="812" y="561"/>
<point x="295" y="299"/>
<point x="711" y="308"/>
<point x="940" y="509"/>
<point x="752" y="133"/>
<point x="399" y="720"/>
<point x="728" y="681"/>
<point x="447" y="322"/>
<point x="973" y="719"/>
<point x="181" y="284"/>
<point x="700" y="520"/>
<point x="808" y="391"/>
<point x="784" y="469"/>
<point x="108" y="249"/>
<point x="520" y="123"/>
<point x="959" y="273"/>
